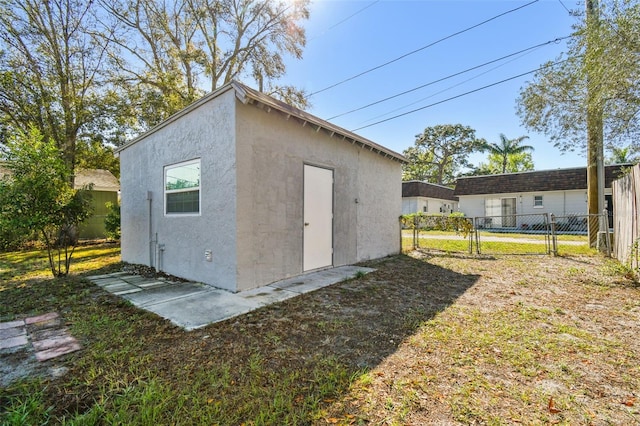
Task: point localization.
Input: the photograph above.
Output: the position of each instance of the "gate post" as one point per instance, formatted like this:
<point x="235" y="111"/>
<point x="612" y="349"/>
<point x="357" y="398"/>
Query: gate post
<point x="554" y="237"/>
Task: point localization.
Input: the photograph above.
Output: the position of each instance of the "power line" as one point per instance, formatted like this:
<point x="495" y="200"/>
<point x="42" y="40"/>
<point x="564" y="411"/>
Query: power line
<point x="448" y="77"/>
<point x="345" y="19"/>
<point x="565" y="7"/>
<point x="444" y="90"/>
<point x="456" y="97"/>
<point x="422" y="48"/>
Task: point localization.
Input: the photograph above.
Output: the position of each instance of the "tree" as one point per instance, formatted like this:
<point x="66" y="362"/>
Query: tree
<point x="170" y="52"/>
<point x="622" y="156"/>
<point x="440" y="152"/>
<point x="555" y="102"/>
<point x="50" y="66"/>
<point x="38" y="196"/>
<point x="521" y="162"/>
<point x="506" y="149"/>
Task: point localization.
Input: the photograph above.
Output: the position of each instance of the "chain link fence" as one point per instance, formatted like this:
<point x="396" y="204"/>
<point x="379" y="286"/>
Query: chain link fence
<point x="507" y="234"/>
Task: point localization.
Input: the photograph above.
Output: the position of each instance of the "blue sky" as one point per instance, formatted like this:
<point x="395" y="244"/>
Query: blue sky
<point x="348" y="37"/>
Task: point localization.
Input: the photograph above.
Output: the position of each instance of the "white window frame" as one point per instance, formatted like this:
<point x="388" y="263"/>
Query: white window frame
<point x="198" y="188"/>
<point x="538" y="206"/>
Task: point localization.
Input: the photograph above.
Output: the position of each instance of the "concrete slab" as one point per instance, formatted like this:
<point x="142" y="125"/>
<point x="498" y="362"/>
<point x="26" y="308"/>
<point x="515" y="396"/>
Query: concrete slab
<point x="104" y="282"/>
<point x="164" y="294"/>
<point x="134" y="279"/>
<point x="194" y="305"/>
<point x="316" y="280"/>
<point x="152" y="284"/>
<point x="201" y="309"/>
<point x="120" y="286"/>
<point x="267" y="295"/>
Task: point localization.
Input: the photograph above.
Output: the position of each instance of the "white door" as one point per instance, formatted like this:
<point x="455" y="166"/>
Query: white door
<point x="318" y="218"/>
<point x="508" y="212"/>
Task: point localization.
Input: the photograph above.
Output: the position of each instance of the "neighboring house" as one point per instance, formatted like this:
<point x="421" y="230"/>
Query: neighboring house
<point x="428" y="198"/>
<point x="104" y="189"/>
<point x="562" y="192"/>
<point x="239" y="190"/>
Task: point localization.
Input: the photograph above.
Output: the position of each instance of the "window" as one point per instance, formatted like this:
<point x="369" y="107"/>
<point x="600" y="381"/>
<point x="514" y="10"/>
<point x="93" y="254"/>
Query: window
<point x="537" y="201"/>
<point x="182" y="188"/>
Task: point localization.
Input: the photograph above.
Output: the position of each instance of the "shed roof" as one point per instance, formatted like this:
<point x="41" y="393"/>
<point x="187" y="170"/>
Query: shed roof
<point x="416" y="188"/>
<point x="102" y="180"/>
<point x="536" y="181"/>
<point x="247" y="95"/>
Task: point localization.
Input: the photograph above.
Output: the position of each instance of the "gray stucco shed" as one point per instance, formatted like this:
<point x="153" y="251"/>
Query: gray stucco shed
<point x="222" y="192"/>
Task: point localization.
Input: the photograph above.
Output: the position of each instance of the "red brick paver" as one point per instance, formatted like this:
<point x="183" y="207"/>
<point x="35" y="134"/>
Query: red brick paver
<point x="48" y="337"/>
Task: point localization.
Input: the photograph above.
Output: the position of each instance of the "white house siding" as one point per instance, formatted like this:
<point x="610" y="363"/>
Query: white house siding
<point x="206" y="132"/>
<point x="412" y="205"/>
<point x="272" y="151"/>
<point x="560" y="203"/>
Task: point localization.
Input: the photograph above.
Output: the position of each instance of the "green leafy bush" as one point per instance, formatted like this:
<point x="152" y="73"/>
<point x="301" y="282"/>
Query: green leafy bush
<point x="112" y="221"/>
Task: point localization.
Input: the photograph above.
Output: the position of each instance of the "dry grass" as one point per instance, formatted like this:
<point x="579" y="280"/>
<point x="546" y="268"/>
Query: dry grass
<point x="426" y="339"/>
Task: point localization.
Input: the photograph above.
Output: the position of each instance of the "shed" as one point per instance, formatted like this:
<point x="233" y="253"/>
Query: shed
<point x="429" y="198"/>
<point x="240" y="190"/>
<point x="104" y="189"/>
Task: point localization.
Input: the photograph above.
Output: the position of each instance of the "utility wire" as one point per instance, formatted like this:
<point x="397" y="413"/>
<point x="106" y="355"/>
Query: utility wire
<point x="457" y="96"/>
<point x="345" y="20"/>
<point x="448" y="77"/>
<point x="565" y="7"/>
<point x="445" y="90"/>
<point x="422" y="48"/>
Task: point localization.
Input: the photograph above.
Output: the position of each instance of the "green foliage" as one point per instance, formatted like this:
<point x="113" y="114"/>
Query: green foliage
<point x="189" y="47"/>
<point x="508" y="155"/>
<point x="38" y="196"/>
<point x="112" y="221"/>
<point x="440" y="152"/>
<point x="622" y="156"/>
<point x="515" y="163"/>
<point x="50" y="70"/>
<point x="95" y="154"/>
<point x="600" y="72"/>
<point x="456" y="221"/>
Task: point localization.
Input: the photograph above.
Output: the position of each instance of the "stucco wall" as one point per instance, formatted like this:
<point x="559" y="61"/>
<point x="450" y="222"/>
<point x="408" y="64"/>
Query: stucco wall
<point x="207" y="133"/>
<point x="272" y="151"/>
<point x="380" y="203"/>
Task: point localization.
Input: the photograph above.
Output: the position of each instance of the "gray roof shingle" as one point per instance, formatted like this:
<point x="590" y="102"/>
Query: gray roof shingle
<point x="416" y="188"/>
<point x="537" y="181"/>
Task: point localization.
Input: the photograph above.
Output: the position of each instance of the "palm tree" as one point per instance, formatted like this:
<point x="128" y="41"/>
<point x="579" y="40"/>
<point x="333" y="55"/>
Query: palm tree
<point x="507" y="147"/>
<point x="621" y="156"/>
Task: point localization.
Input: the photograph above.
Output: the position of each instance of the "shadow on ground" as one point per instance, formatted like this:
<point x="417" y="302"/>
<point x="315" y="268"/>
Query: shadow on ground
<point x="349" y="327"/>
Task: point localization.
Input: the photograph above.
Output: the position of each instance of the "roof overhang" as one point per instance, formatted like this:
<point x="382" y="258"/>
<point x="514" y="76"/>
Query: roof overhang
<point x="249" y="96"/>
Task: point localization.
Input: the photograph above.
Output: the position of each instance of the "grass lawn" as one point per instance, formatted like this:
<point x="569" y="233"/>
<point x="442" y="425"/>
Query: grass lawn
<point x="429" y="338"/>
<point x="496" y="243"/>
